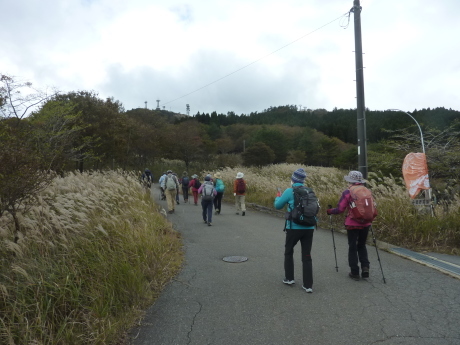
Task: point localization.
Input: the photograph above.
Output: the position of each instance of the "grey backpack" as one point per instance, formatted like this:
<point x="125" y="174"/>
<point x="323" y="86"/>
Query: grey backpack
<point x="171" y="183"/>
<point x="208" y="191"/>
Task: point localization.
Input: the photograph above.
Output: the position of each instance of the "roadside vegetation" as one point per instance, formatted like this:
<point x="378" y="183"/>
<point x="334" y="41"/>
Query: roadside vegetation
<point x="399" y="222"/>
<point x="92" y="253"/>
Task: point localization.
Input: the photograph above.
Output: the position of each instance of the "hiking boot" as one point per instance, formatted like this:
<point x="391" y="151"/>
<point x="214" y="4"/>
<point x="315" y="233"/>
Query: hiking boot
<point x="288" y="282"/>
<point x="244" y="213"/>
<point x="209" y="224"/>
<point x="353" y="276"/>
<point x="170" y="212"/>
<point x="309" y="290"/>
<point x="365" y="272"/>
<point x="206" y="222"/>
<point x="237" y="213"/>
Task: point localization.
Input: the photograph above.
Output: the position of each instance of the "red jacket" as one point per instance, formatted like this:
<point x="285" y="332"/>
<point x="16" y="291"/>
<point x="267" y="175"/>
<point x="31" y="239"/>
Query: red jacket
<point x="192" y="185"/>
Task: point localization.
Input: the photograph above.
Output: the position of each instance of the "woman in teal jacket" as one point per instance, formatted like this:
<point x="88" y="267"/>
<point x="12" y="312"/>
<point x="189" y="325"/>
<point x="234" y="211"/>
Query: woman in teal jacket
<point x="220" y="188"/>
<point x="294" y="234"/>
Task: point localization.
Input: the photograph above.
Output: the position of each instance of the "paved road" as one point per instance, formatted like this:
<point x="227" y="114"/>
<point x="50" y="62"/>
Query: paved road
<point x="220" y="303"/>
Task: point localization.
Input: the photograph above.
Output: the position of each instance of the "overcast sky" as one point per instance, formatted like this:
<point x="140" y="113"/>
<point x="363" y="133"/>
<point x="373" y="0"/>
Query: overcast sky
<point x="237" y="55"/>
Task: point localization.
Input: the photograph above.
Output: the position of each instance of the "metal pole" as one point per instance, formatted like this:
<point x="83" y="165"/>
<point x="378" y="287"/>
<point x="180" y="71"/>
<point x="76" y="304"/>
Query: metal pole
<point x="361" y="116"/>
<point x="420" y="129"/>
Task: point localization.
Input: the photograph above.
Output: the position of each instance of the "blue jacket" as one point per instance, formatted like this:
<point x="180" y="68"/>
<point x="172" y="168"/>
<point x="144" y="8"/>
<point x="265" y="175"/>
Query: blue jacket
<point x="288" y="199"/>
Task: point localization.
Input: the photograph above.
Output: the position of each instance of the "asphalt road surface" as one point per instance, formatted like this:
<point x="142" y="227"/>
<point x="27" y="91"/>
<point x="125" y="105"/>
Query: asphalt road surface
<point x="215" y="302"/>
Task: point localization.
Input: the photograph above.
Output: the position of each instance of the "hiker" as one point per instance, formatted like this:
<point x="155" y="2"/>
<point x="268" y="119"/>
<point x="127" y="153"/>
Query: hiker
<point x="195" y="185"/>
<point x="239" y="192"/>
<point x="208" y="192"/>
<point x="357" y="231"/>
<point x="177" y="190"/>
<point x="147" y="178"/>
<point x="184" y="182"/>
<point x="220" y="188"/>
<point x="170" y="186"/>
<point x="296" y="233"/>
<point x="160" y="182"/>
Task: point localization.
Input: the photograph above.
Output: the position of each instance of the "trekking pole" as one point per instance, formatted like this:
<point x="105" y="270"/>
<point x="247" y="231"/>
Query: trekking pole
<point x="333" y="240"/>
<point x="378" y="256"/>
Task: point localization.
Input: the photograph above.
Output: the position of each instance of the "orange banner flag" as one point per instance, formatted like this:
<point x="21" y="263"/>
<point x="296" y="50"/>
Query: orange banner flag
<point x="415" y="172"/>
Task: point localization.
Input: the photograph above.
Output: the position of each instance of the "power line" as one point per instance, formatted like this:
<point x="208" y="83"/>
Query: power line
<point x="255" y="61"/>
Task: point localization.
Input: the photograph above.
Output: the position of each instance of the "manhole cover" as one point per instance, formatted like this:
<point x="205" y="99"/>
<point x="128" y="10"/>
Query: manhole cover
<point x="235" y="259"/>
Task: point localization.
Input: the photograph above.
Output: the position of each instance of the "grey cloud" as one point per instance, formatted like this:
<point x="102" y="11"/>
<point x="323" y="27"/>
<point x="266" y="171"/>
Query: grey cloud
<point x="204" y="84"/>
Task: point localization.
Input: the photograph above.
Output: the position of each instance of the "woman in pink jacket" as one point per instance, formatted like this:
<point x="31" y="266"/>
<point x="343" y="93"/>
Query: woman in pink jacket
<point x="357" y="232"/>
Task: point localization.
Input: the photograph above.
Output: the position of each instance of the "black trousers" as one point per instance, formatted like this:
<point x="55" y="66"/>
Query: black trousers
<point x="306" y="239"/>
<point x="185" y="193"/>
<point x="218" y="201"/>
<point x="357" y="251"/>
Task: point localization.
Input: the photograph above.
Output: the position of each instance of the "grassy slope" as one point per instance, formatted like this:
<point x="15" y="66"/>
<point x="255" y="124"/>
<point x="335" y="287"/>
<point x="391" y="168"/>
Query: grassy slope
<point x="91" y="257"/>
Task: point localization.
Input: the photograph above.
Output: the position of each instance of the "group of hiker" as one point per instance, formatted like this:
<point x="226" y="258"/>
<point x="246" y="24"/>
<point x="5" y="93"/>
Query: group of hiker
<point x="211" y="190"/>
<point x="300" y="219"/>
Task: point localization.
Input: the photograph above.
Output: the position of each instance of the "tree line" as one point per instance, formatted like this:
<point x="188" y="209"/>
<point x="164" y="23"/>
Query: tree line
<point x="43" y="133"/>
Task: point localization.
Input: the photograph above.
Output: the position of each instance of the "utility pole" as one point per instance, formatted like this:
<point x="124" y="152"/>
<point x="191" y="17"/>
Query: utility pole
<point x="362" y="141"/>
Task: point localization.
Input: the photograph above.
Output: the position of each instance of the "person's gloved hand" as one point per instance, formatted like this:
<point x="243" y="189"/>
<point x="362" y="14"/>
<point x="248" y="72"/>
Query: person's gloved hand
<point x="329" y="211"/>
<point x="234" y="194"/>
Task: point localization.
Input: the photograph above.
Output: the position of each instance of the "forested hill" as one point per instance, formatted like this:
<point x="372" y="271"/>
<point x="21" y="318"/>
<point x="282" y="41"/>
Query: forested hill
<point x="339" y="123"/>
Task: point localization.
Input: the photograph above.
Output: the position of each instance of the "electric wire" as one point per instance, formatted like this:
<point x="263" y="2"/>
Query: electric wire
<point x="259" y="59"/>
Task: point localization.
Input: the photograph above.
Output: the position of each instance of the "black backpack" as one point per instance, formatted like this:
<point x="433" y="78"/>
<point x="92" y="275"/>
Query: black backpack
<point x="185" y="181"/>
<point x="197" y="184"/>
<point x="306" y="206"/>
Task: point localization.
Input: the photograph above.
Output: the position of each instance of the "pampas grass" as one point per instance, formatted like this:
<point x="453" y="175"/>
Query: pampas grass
<point x="399" y="222"/>
<point x="91" y="255"/>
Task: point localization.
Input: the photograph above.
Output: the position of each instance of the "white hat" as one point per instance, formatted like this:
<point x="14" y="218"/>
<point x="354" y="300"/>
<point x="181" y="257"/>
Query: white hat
<point x="354" y="177"/>
<point x="239" y="175"/>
